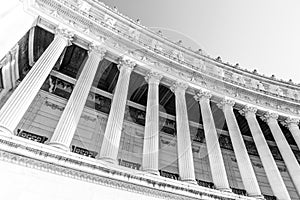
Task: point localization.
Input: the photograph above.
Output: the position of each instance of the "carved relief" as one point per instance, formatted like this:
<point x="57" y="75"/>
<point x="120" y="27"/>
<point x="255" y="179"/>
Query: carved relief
<point x="109" y="20"/>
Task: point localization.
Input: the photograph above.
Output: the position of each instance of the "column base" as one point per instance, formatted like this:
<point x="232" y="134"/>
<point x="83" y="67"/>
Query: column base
<point x="152" y="171"/>
<point x="59" y="146"/>
<point x="109" y="160"/>
<point x="5" y="131"/>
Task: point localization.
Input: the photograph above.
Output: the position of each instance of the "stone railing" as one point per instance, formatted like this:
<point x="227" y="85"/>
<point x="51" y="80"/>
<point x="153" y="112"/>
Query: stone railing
<point x="206" y="184"/>
<point x="129" y="164"/>
<point x="239" y="191"/>
<point x="168" y="175"/>
<point x="31" y="136"/>
<point x="84" y="152"/>
<point x="268" y="197"/>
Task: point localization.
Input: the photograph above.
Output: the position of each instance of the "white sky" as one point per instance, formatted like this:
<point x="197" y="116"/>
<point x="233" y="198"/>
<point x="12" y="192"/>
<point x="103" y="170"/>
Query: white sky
<point x="257" y="34"/>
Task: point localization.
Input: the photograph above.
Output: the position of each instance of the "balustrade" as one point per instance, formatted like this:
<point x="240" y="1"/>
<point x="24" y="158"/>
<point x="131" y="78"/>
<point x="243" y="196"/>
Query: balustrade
<point x="83" y="151"/>
<point x="31" y="136"/>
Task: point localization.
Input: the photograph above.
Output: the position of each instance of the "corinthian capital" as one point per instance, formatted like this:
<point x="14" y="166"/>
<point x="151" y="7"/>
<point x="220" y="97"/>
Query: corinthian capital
<point x="98" y="49"/>
<point x="269" y="117"/>
<point x="128" y="64"/>
<point x="179" y="87"/>
<point x="65" y="33"/>
<point x="248" y="110"/>
<point x="202" y="95"/>
<point x="228" y="102"/>
<point x="153" y="77"/>
<point x="290" y="122"/>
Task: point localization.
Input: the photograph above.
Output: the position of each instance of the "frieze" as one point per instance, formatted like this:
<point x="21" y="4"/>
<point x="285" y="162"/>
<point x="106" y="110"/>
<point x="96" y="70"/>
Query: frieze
<point x="41" y="158"/>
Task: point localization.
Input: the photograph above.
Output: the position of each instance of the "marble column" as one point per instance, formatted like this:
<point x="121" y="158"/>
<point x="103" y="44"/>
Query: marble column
<point x="14" y="109"/>
<point x="240" y="151"/>
<point x="284" y="148"/>
<point x="274" y="177"/>
<point x="151" y="136"/>
<point x="215" y="157"/>
<point x="293" y="125"/>
<point x="67" y="124"/>
<point x="184" y="145"/>
<point x="111" y="141"/>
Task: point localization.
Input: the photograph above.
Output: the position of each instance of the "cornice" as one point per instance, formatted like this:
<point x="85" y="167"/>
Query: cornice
<point x="45" y="158"/>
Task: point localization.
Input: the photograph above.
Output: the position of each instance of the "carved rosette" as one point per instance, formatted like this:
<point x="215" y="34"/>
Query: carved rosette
<point x="202" y="94"/>
<point x="179" y="87"/>
<point x="65" y="33"/>
<point x="84" y="6"/>
<point x="228" y="102"/>
<point x="128" y="64"/>
<point x="98" y="49"/>
<point x="153" y="77"/>
<point x="290" y="122"/>
<point x="248" y="110"/>
<point x="269" y="117"/>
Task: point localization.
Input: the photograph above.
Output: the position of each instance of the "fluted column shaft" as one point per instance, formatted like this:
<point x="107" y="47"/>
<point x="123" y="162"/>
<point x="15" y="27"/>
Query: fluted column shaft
<point x="268" y="162"/>
<point x="112" y="136"/>
<point x="16" y="106"/>
<point x="151" y="136"/>
<point x="215" y="157"/>
<point x="292" y="125"/>
<point x="284" y="148"/>
<point x="70" y="117"/>
<point x="240" y="151"/>
<point x="184" y="146"/>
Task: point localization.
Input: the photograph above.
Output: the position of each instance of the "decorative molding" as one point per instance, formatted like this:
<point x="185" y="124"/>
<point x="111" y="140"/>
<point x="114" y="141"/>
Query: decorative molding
<point x="98" y="49"/>
<point x="289" y="122"/>
<point x="202" y="94"/>
<point x="252" y="87"/>
<point x="153" y="77"/>
<point x="228" y="102"/>
<point x="129" y="64"/>
<point x="248" y="110"/>
<point x="86" y="171"/>
<point x="179" y="87"/>
<point x="65" y="33"/>
<point x="269" y="117"/>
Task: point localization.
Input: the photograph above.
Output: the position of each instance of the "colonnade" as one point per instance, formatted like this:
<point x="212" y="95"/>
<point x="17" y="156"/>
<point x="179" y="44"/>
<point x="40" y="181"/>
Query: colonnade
<point x="16" y="106"/>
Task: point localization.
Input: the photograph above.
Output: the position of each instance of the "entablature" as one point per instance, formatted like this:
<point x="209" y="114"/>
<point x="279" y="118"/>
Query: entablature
<point x="99" y="24"/>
